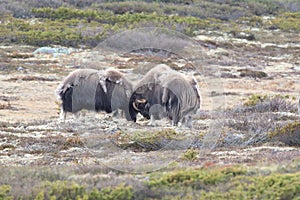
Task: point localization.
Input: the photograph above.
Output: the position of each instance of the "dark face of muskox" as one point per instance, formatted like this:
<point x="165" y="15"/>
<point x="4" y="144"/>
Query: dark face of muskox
<point x="144" y="98"/>
<point x="138" y="104"/>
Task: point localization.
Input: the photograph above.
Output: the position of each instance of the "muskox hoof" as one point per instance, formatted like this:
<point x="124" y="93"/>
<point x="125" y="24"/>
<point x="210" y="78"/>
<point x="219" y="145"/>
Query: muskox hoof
<point x="152" y="124"/>
<point x="152" y="121"/>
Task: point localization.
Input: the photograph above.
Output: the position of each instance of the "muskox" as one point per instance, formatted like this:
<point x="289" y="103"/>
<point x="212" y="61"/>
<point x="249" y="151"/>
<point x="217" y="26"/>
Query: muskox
<point x="164" y="92"/>
<point x="181" y="97"/>
<point x="147" y="96"/>
<point x="94" y="90"/>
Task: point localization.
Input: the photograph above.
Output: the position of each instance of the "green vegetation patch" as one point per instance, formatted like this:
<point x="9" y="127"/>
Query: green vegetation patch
<point x="89" y="25"/>
<point x="74" y="27"/>
<point x="255" y="99"/>
<point x="5" y="192"/>
<point x="190" y="154"/>
<point x="288" y="22"/>
<point x="218" y="182"/>
<point x="274" y="186"/>
<point x="226" y="183"/>
<point x="198" y="178"/>
<point x="70" y="190"/>
<point x="120" y="192"/>
<point x="288" y="134"/>
<point x="151" y="140"/>
<point x="252" y="73"/>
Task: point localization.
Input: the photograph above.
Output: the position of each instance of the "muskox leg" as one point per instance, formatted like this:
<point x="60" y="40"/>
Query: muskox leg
<point x="66" y="105"/>
<point x="152" y="121"/>
<point x="188" y="121"/>
<point x="116" y="113"/>
<point x="62" y="115"/>
<point x="67" y="100"/>
<point x="174" y="114"/>
<point x="175" y="120"/>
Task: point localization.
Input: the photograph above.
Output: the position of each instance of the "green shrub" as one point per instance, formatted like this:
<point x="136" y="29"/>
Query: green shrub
<point x="274" y="186"/>
<point x="255" y="99"/>
<point x="148" y="141"/>
<point x="289" y="134"/>
<point x="60" y="190"/>
<point x="270" y="103"/>
<point x="64" y="13"/>
<point x="70" y="190"/>
<point x="120" y="192"/>
<point x="190" y="154"/>
<point x="288" y="22"/>
<point x="251" y="123"/>
<point x="198" y="177"/>
<point x="5" y="192"/>
<point x="225" y="183"/>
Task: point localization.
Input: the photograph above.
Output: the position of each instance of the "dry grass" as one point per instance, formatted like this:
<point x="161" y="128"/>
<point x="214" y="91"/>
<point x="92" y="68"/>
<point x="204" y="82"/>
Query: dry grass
<point x="5" y="106"/>
<point x="20" y="55"/>
<point x="31" y="78"/>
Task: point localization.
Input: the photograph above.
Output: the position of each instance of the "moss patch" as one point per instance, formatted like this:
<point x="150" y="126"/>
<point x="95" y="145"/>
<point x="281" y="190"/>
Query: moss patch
<point x="252" y="73"/>
<point x="147" y="140"/>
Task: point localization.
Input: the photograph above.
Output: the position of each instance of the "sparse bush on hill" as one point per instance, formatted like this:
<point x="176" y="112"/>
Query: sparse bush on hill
<point x="289" y="134"/>
<point x="246" y="128"/>
<point x="276" y="103"/>
<point x="251" y="123"/>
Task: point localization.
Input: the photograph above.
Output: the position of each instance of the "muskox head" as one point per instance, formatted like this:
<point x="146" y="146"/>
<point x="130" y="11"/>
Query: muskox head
<point x="141" y="105"/>
<point x="118" y="90"/>
<point x="138" y="104"/>
<point x="146" y="100"/>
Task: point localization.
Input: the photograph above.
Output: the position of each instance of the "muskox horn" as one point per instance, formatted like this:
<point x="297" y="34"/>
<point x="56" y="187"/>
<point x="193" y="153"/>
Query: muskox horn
<point x="143" y="101"/>
<point x="135" y="107"/>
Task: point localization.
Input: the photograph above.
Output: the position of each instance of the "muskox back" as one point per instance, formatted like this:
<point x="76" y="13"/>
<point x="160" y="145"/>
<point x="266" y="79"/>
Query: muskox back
<point x="94" y="90"/>
<point x="152" y="77"/>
